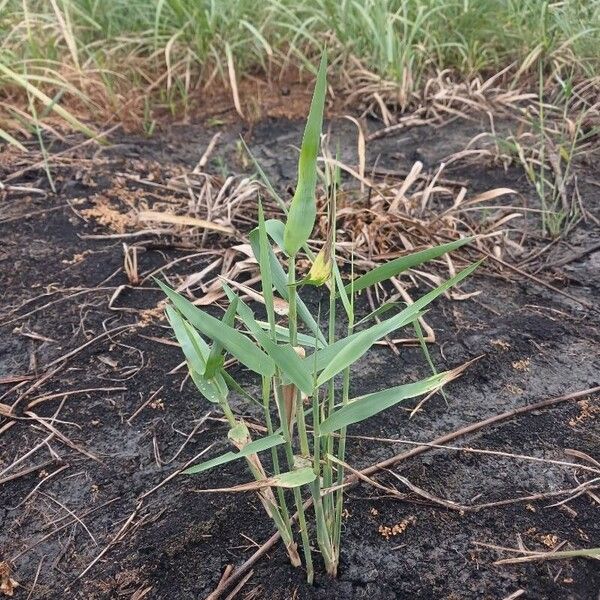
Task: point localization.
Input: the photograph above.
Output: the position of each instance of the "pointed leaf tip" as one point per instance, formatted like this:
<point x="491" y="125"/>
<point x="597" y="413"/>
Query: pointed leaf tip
<point x="303" y="209"/>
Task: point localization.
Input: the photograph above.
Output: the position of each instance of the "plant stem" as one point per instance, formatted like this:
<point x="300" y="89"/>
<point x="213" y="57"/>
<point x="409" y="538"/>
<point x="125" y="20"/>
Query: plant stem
<point x="289" y="452"/>
<point x="323" y="531"/>
<point x="293" y="328"/>
<point x="267" y="498"/>
<point x="331" y="179"/>
<point x="339" y="497"/>
<point x="275" y="457"/>
<point x="328" y="441"/>
<point x="302" y="435"/>
<point x="542" y="145"/>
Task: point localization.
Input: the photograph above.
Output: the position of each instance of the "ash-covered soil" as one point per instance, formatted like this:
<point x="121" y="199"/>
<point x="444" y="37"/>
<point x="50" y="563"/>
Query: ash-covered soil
<point x="87" y="491"/>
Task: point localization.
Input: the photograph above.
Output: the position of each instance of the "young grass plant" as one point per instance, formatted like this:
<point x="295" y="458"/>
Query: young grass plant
<point x="547" y="151"/>
<point x="296" y="369"/>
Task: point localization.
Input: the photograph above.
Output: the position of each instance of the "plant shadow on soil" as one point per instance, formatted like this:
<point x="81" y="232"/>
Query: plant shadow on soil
<point x="534" y="345"/>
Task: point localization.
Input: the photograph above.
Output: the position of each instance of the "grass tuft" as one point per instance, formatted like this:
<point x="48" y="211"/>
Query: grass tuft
<point x="292" y="370"/>
<point x="136" y="57"/>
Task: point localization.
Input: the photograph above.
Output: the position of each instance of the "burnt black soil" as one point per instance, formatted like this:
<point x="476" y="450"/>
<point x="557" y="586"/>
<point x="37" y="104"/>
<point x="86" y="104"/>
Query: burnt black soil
<point x="534" y="343"/>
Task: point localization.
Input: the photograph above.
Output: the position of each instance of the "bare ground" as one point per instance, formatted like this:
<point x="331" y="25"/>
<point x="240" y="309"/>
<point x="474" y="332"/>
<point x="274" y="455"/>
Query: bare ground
<point x="118" y="421"/>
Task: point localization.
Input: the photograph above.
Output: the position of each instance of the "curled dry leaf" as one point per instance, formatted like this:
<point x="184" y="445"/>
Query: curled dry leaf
<point x="163" y="217"/>
<point x="290" y="479"/>
<point x="7" y="583"/>
<point x="5" y="410"/>
<point x="280" y="306"/>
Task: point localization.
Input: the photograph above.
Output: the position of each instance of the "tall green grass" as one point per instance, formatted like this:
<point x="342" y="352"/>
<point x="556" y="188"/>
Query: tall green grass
<point x="118" y="53"/>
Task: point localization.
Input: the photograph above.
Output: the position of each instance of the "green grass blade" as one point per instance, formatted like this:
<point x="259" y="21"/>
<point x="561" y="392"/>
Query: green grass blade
<point x="215" y="358"/>
<point x="236" y="343"/>
<point x="363" y="340"/>
<point x="196" y="353"/>
<point x="252" y="448"/>
<point x="285" y="357"/>
<point x="303" y="209"/>
<point x="275" y="230"/>
<point x="325" y="355"/>
<point x="425" y="350"/>
<point x="378" y="312"/>
<point x="342" y="293"/>
<point x="283" y="335"/>
<point x="4" y="135"/>
<point x="363" y="407"/>
<point x="214" y="390"/>
<point x="341" y="354"/>
<point x="293" y="479"/>
<point x="196" y="350"/>
<point x="279" y="276"/>
<point x="397" y="266"/>
<point x="265" y="266"/>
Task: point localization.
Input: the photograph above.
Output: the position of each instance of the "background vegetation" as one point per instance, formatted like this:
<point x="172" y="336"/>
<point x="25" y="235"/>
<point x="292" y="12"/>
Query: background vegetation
<point x="128" y="59"/>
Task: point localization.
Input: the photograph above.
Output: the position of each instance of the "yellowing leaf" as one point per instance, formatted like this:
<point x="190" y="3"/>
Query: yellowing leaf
<point x="320" y="271"/>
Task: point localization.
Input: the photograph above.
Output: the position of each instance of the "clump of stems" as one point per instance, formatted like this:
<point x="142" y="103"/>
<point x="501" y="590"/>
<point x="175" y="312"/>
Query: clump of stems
<point x="297" y="363"/>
